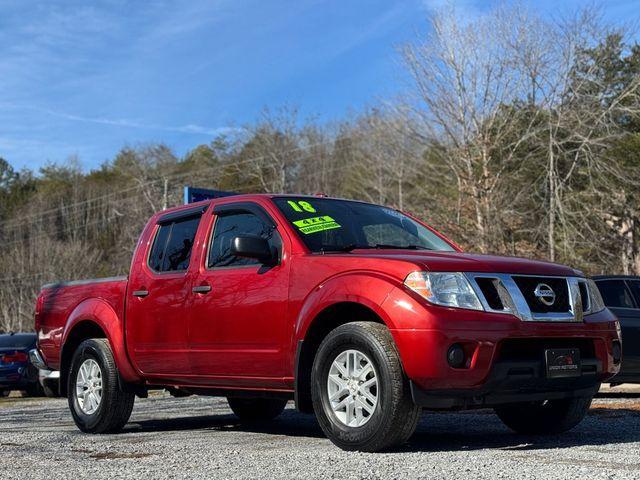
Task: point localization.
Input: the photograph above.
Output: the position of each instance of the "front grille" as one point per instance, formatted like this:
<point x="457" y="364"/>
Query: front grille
<point x="584" y="296"/>
<point x="489" y="287"/>
<point x="528" y="285"/>
<point x="516" y="295"/>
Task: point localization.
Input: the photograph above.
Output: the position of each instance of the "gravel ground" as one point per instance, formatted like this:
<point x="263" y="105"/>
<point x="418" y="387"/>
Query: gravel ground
<point x="198" y="437"/>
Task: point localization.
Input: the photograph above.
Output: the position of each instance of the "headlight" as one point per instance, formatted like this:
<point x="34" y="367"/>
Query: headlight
<point x="449" y="289"/>
<point x="597" y="304"/>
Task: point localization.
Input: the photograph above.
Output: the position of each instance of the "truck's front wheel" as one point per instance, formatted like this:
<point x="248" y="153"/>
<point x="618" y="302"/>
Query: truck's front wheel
<point x="359" y="391"/>
<point x="96" y="401"/>
<point x="548" y="417"/>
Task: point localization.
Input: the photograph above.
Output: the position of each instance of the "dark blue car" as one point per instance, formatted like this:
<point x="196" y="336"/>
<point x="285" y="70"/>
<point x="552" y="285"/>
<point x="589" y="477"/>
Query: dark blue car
<point x="621" y="294"/>
<point x="16" y="371"/>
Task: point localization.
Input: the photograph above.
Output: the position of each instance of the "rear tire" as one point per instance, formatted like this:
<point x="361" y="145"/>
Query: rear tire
<point x="252" y="410"/>
<point x="96" y="400"/>
<point x="543" y="418"/>
<point x="5" y="393"/>
<point x="357" y="369"/>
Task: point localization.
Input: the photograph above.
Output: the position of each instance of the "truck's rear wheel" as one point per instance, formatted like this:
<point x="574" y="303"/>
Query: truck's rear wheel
<point x="252" y="410"/>
<point x="548" y="417"/>
<point x="4" y="393"/>
<point x="96" y="401"/>
<point x="359" y="391"/>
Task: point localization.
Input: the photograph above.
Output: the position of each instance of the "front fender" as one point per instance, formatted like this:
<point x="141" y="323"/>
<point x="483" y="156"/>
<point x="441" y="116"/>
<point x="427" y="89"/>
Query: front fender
<point x="102" y="314"/>
<point x="369" y="289"/>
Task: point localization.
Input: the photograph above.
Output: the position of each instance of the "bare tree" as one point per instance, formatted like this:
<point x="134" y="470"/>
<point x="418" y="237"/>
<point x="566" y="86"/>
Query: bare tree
<point x="468" y="75"/>
<point x="500" y="95"/>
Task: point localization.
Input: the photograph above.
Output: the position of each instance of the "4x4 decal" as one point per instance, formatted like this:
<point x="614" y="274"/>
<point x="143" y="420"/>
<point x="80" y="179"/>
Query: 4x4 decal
<point x="316" y="224"/>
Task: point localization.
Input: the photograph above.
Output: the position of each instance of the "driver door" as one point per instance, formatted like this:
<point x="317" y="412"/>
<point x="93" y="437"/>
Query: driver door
<point x="238" y="321"/>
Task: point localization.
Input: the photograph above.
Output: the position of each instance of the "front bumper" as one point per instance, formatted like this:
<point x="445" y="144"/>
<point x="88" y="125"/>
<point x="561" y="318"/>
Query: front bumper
<point x="512" y="382"/>
<point x="505" y="355"/>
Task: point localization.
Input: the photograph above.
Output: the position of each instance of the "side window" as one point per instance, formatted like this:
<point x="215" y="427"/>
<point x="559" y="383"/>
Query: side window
<point x="634" y="286"/>
<point x="172" y="246"/>
<point x="615" y="293"/>
<point x="156" y="257"/>
<point x="227" y="227"/>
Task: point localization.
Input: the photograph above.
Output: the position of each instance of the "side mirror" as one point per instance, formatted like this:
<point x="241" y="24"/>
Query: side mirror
<point x="252" y="246"/>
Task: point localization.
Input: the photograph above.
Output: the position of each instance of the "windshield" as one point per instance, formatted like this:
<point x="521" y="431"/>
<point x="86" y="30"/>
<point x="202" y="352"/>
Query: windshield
<point x="326" y="224"/>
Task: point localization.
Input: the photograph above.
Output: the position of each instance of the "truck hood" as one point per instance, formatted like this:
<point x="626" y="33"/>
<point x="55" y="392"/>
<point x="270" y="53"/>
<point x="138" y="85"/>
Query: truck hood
<point x="468" y="262"/>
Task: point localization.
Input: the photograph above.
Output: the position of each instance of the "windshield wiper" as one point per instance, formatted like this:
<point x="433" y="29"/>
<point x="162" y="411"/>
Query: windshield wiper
<point x="341" y="248"/>
<point x="400" y="247"/>
<point x="353" y="246"/>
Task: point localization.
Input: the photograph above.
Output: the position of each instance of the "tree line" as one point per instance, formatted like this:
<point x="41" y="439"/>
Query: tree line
<point x="519" y="135"/>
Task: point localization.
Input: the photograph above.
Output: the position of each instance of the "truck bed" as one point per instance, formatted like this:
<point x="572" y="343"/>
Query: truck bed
<point x="57" y="302"/>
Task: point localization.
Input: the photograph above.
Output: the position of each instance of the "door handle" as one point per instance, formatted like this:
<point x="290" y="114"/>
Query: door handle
<point x="201" y="289"/>
<point x="140" y="293"/>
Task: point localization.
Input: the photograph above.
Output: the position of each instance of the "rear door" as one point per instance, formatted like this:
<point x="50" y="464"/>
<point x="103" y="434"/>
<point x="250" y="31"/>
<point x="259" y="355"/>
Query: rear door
<point x="159" y="287"/>
<point x="619" y="298"/>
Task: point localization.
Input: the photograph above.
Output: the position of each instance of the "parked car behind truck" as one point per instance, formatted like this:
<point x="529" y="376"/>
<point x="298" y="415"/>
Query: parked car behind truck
<point x="621" y="294"/>
<point x="16" y="372"/>
<point x="360" y="313"/>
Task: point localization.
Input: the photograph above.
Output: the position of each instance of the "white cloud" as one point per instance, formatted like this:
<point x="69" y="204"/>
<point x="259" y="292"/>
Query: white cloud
<point x="464" y="8"/>
<point x="126" y="123"/>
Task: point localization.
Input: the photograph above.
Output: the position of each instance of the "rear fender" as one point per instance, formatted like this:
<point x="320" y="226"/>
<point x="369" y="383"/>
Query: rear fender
<point x="102" y="314"/>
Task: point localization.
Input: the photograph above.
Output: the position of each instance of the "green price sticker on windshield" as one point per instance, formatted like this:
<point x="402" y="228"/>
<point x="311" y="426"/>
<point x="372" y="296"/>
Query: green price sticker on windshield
<point x="316" y="224"/>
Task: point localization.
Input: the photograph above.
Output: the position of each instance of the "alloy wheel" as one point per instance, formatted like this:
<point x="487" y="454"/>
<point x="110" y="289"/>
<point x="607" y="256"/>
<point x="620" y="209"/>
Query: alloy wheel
<point x="89" y="386"/>
<point x="352" y="388"/>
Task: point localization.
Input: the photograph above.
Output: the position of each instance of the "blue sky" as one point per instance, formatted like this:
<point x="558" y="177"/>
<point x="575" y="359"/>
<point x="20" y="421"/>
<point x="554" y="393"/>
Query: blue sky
<point x="85" y="78"/>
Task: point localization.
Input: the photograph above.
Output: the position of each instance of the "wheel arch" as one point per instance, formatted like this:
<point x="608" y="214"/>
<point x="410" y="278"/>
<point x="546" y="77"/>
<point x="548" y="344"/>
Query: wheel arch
<point x="94" y="318"/>
<point x="323" y="323"/>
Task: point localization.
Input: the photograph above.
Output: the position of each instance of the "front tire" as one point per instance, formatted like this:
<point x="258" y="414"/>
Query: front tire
<point x="360" y="394"/>
<point x="96" y="400"/>
<point x="5" y="393"/>
<point x="543" y="418"/>
<point x="252" y="410"/>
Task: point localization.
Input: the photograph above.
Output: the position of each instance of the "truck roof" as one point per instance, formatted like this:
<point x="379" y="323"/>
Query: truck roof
<point x="253" y="196"/>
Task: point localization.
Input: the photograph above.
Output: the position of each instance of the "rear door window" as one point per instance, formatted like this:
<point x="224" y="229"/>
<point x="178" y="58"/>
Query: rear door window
<point x="171" y="250"/>
<point x="615" y="293"/>
<point x="634" y="286"/>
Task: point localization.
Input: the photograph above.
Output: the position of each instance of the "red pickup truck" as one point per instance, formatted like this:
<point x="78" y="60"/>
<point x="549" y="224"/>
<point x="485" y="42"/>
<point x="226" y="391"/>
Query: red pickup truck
<point x="361" y="313"/>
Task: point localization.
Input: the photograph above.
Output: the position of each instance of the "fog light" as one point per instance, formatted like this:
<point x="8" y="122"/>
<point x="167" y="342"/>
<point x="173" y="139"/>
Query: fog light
<point x="455" y="356"/>
<point x="616" y="352"/>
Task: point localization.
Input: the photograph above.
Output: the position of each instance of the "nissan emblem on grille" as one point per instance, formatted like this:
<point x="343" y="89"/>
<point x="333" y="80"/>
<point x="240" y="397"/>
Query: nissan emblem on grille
<point x="545" y="294"/>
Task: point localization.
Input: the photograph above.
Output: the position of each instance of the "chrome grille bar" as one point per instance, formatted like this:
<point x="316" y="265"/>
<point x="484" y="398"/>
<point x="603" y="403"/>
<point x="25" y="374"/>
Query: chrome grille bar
<point x="515" y="303"/>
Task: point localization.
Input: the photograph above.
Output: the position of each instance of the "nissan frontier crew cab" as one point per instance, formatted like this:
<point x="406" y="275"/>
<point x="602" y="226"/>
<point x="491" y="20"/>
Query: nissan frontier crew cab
<point x="362" y="314"/>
